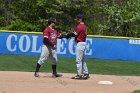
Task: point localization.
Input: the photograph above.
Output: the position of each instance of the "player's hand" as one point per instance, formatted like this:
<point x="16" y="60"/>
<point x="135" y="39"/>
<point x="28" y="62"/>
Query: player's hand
<point x="65" y="35"/>
<point x="54" y="47"/>
<point x="62" y="35"/>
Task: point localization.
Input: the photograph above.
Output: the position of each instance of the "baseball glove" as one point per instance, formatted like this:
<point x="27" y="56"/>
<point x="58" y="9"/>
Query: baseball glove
<point x="64" y="35"/>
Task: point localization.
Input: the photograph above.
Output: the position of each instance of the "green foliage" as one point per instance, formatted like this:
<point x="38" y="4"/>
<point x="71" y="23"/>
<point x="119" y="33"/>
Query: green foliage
<point x="103" y="17"/>
<point x="121" y="19"/>
<point x="20" y="25"/>
<point x="2" y="21"/>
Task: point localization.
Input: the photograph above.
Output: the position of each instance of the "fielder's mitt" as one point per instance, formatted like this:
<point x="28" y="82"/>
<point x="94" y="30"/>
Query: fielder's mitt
<point x="64" y="35"/>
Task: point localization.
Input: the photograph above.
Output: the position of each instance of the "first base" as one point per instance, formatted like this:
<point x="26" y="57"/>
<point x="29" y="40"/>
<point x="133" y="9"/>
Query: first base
<point x="105" y="82"/>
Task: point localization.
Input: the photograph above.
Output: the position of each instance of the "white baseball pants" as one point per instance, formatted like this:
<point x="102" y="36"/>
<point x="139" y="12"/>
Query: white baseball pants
<point x="80" y="61"/>
<point x="47" y="51"/>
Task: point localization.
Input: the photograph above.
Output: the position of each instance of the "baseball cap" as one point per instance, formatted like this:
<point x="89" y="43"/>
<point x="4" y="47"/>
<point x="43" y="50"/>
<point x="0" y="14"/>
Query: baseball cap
<point x="79" y="16"/>
<point x="52" y="20"/>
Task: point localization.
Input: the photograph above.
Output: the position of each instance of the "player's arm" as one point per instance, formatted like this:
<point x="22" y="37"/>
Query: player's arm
<point x="68" y="35"/>
<point x="47" y="42"/>
<point x="65" y="34"/>
<point x="62" y="35"/>
<point x="72" y="34"/>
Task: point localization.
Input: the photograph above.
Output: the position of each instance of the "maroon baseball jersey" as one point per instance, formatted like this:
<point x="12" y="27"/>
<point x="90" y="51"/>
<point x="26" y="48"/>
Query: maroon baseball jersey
<point x="81" y="31"/>
<point x="51" y="34"/>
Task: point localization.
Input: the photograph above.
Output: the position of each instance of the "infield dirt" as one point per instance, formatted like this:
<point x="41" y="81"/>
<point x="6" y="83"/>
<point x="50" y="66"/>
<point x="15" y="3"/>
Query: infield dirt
<point x="25" y="82"/>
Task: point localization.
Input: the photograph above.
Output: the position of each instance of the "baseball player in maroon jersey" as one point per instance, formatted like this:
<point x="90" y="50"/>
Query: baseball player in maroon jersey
<point x="49" y="48"/>
<point x="80" y="34"/>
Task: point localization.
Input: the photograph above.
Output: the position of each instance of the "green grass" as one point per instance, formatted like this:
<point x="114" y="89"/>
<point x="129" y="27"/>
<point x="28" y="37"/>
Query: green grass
<point x="136" y="91"/>
<point x="96" y="66"/>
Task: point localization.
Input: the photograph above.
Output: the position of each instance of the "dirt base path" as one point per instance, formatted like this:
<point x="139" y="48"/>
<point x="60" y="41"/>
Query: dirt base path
<point x="25" y="82"/>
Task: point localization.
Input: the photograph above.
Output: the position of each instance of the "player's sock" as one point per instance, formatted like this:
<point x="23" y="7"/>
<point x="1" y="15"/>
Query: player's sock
<point x="55" y="74"/>
<point x="54" y="69"/>
<point x="37" y="67"/>
<point x="36" y="74"/>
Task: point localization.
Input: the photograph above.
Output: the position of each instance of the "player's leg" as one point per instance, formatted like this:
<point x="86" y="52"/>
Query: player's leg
<point x="44" y="55"/>
<point x="79" y="53"/>
<point x="85" y="69"/>
<point x="53" y="56"/>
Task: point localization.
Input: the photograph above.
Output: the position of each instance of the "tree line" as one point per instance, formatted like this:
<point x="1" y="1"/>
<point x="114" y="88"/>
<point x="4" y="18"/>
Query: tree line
<point x="102" y="17"/>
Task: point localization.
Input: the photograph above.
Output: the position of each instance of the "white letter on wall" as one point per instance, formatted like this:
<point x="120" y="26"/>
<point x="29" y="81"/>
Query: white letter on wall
<point x="70" y="46"/>
<point x="9" y="42"/>
<point x="60" y="46"/>
<point x="89" y="46"/>
<point x="34" y="45"/>
<point x="27" y="44"/>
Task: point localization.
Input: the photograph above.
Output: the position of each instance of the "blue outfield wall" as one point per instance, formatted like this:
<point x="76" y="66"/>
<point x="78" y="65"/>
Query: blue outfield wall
<point x="97" y="47"/>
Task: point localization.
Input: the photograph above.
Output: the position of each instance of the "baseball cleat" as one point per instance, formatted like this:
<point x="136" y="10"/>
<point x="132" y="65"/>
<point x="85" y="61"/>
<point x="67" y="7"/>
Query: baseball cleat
<point x="56" y="75"/>
<point x="86" y="76"/>
<point x="77" y="77"/>
<point x="36" y="74"/>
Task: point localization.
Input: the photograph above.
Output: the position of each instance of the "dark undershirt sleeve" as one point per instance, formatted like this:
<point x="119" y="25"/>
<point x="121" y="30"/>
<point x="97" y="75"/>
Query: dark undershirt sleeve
<point x="71" y="35"/>
<point x="47" y="41"/>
